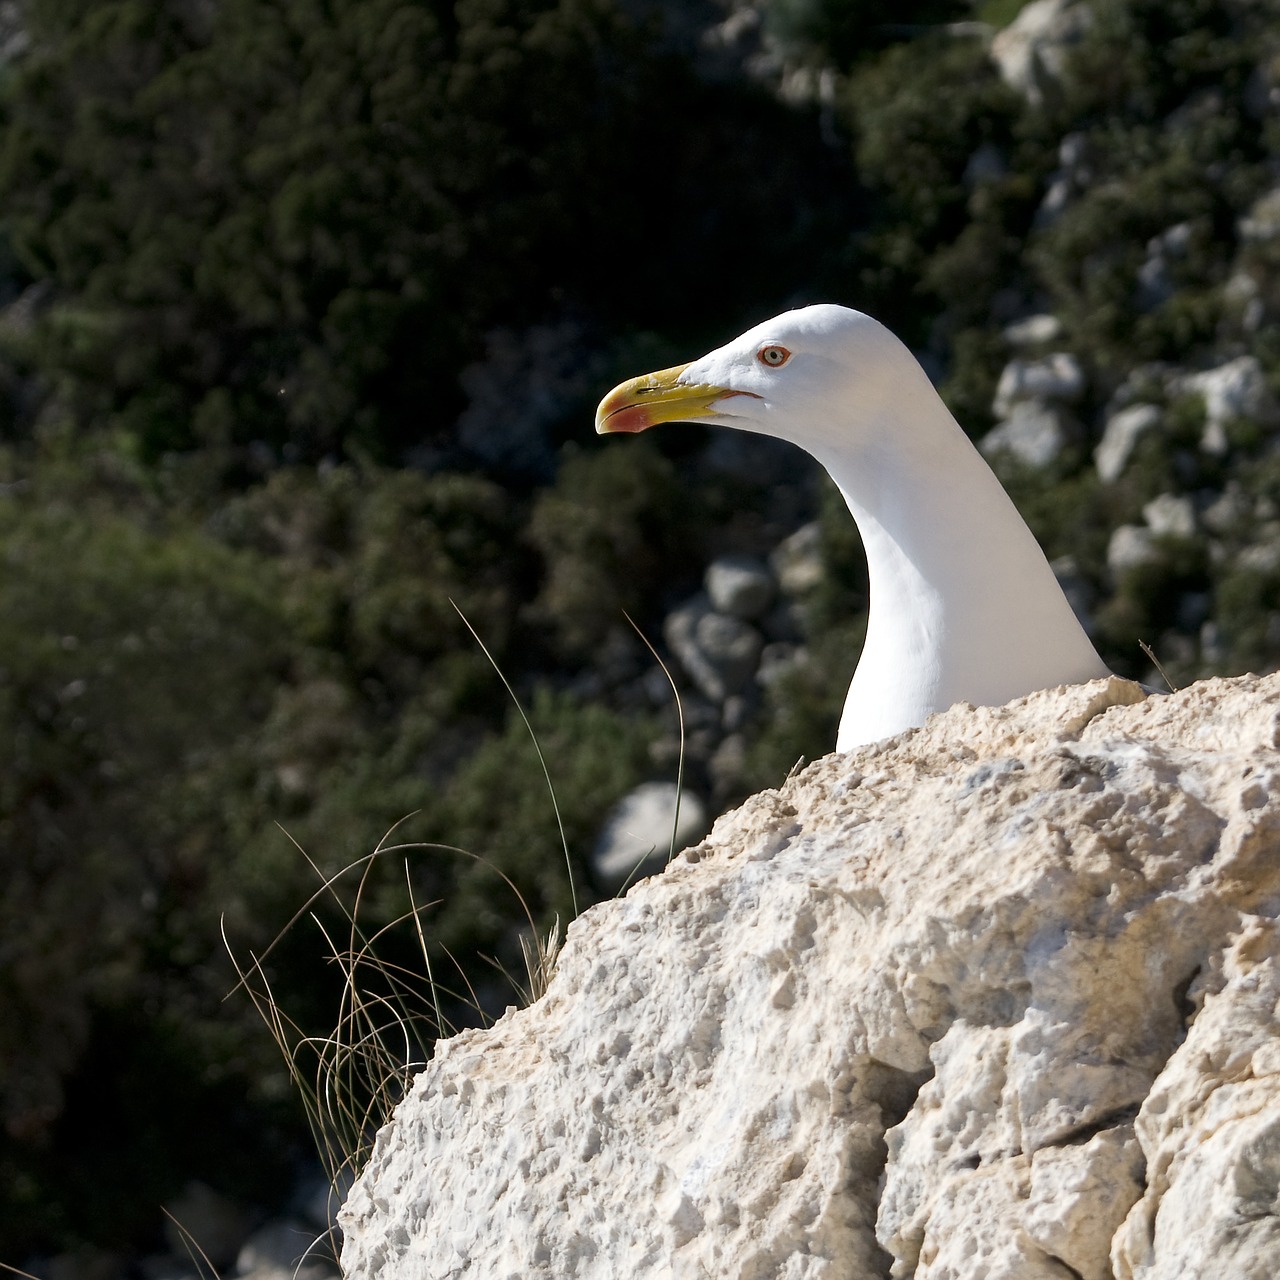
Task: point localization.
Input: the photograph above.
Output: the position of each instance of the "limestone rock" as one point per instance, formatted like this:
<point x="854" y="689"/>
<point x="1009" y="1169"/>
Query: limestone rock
<point x="636" y="839"/>
<point x="1237" y="389"/>
<point x="1031" y="51"/>
<point x="1120" y="437"/>
<point x="286" y="1250"/>
<point x="1130" y="547"/>
<point x="994" y="998"/>
<point x="1171" y="515"/>
<point x="1033" y="331"/>
<point x="1035" y="433"/>
<point x="1056" y="378"/>
<point x="797" y="560"/>
<point x="740" y="586"/>
<point x="719" y="652"/>
<point x="1262" y="223"/>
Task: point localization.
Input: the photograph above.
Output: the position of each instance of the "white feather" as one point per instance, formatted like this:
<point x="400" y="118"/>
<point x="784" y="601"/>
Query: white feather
<point x="964" y="606"/>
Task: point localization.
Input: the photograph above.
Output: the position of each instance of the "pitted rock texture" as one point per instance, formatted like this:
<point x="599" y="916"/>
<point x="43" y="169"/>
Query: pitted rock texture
<point x="993" y="1000"/>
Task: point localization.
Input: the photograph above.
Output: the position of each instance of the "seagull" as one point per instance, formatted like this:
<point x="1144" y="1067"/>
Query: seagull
<point x="963" y="604"/>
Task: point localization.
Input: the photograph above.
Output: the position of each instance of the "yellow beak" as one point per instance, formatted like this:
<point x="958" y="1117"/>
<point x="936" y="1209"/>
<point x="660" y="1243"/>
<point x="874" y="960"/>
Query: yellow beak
<point x="657" y="397"/>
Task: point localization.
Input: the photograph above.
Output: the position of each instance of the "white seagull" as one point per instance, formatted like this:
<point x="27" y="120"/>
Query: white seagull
<point x="964" y="606"/>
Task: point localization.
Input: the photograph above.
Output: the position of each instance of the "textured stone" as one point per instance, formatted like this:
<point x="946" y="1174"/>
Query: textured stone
<point x="1057" y="377"/>
<point x="1031" y="51"/>
<point x="740" y="586"/>
<point x="1171" y="515"/>
<point x="636" y="839"/>
<point x="718" y="652"/>
<point x="1120" y="437"/>
<point x="797" y="560"/>
<point x="1130" y="547"/>
<point x="1035" y="433"/>
<point x="994" y="998"/>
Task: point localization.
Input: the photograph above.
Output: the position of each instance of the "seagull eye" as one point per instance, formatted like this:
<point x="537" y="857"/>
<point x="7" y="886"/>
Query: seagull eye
<point x="774" y="356"/>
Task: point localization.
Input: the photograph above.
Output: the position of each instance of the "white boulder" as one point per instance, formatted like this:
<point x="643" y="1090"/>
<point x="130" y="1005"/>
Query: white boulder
<point x="740" y="586"/>
<point x="994" y="998"/>
<point x="1031" y="51"/>
<point x="1057" y="378"/>
<point x="637" y="835"/>
<point x="1171" y="515"/>
<point x="1120" y="438"/>
<point x="1237" y="389"/>
<point x="1130" y="547"/>
<point x="1035" y="433"/>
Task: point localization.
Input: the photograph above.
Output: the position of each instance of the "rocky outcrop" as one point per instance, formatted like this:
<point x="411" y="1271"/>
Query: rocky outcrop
<point x="1031" y="52"/>
<point x="995" y="998"/>
<point x="640" y="831"/>
<point x="1029" y="401"/>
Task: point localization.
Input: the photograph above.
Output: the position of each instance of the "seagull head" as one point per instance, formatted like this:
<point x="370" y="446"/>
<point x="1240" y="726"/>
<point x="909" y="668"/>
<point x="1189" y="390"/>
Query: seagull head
<point x="809" y="376"/>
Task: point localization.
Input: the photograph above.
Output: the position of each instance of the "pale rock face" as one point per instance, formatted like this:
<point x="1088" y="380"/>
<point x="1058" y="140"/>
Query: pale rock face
<point x="1237" y="389"/>
<point x="740" y="586"/>
<point x="1262" y="223"/>
<point x="1035" y="433"/>
<point x="637" y="834"/>
<point x="1131" y="546"/>
<point x="1056" y="377"/>
<point x="994" y="998"/>
<point x="1033" y="331"/>
<point x="1031" y="51"/>
<point x="718" y="651"/>
<point x="1171" y="515"/>
<point x="1120" y="438"/>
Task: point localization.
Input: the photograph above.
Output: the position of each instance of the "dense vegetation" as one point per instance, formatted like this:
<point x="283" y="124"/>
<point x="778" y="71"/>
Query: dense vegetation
<point x="307" y="309"/>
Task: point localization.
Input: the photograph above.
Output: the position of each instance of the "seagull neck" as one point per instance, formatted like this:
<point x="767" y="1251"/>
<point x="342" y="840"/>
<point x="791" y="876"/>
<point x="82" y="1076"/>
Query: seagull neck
<point x="964" y="605"/>
<point x="932" y="515"/>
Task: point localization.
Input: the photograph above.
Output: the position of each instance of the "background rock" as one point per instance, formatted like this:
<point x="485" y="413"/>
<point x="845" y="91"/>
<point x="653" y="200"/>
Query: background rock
<point x="797" y="560"/>
<point x="1130" y="547"/>
<point x="636" y="840"/>
<point x="1170" y="515"/>
<point x="1237" y="389"/>
<point x="1057" y="377"/>
<point x="1033" y="331"/>
<point x="1030" y="51"/>
<point x="1035" y="433"/>
<point x="1120" y="437"/>
<point x="993" y="998"/>
<point x="719" y="652"/>
<point x="286" y="1250"/>
<point x="740" y="586"/>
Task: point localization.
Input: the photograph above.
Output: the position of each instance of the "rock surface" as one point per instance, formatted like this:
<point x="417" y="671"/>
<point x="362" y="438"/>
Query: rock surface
<point x="1031" y="51"/>
<point x="1057" y="377"/>
<point x="740" y="586"/>
<point x="717" y="651"/>
<point x="995" y="998"/>
<point x="637" y="836"/>
<point x="1035" y="433"/>
<point x="1120" y="438"/>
